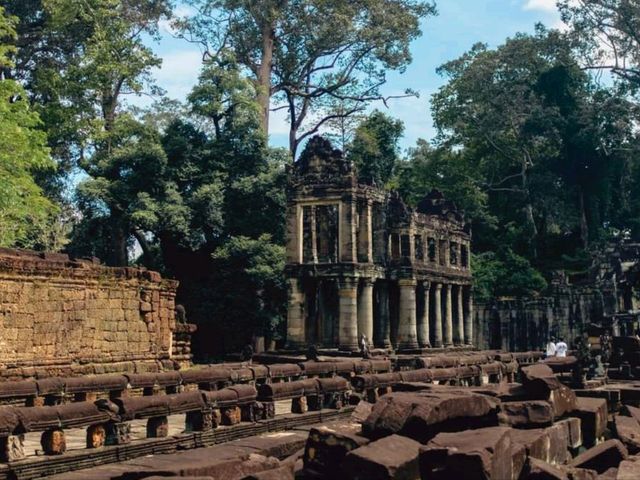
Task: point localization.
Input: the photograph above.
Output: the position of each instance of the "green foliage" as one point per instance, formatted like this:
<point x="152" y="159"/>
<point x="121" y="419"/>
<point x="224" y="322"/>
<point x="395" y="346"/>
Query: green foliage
<point x="24" y="211"/>
<point x="257" y="301"/>
<point x="504" y="274"/>
<point x="310" y="54"/>
<point x="375" y="150"/>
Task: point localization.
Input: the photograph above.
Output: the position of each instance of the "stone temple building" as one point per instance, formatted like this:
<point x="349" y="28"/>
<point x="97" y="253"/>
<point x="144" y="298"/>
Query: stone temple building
<point x="361" y="262"/>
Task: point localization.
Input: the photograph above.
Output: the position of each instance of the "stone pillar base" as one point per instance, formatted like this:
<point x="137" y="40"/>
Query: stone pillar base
<point x="53" y="442"/>
<point x="96" y="436"/>
<point x="158" y="427"/>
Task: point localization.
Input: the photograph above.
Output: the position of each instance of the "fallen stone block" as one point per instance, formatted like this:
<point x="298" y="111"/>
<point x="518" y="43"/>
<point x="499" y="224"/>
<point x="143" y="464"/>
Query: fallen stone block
<point x="422" y="415"/>
<point x="592" y="413"/>
<point x="628" y="469"/>
<point x="559" y="441"/>
<point x="283" y="472"/>
<point x="393" y="457"/>
<point x="539" y="470"/>
<point x="601" y="457"/>
<point x="327" y="448"/>
<point x="535" y="441"/>
<point x="628" y="431"/>
<point x="526" y="414"/>
<point x="483" y="454"/>
<point x="610" y="474"/>
<point x="573" y="427"/>
<point x="362" y="411"/>
<point x="540" y="383"/>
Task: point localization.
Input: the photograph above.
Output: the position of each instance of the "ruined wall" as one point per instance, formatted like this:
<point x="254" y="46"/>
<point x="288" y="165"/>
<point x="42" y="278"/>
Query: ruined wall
<point x="58" y="315"/>
<point x="527" y="324"/>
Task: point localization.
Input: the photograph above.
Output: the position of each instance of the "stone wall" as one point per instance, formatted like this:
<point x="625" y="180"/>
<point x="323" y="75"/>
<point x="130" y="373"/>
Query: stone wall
<point x="527" y="324"/>
<point x="60" y="316"/>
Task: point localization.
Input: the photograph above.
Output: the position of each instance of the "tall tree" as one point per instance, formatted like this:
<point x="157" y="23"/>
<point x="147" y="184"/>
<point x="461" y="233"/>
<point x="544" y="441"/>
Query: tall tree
<point x="24" y="210"/>
<point x="112" y="63"/>
<point x="310" y="53"/>
<point x="609" y="31"/>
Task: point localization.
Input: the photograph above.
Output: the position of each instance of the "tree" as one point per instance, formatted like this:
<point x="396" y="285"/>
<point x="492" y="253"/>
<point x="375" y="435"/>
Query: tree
<point x="24" y="211"/>
<point x="609" y="31"/>
<point x="375" y="148"/>
<point x="547" y="151"/>
<point x="310" y="53"/>
<point x="109" y="64"/>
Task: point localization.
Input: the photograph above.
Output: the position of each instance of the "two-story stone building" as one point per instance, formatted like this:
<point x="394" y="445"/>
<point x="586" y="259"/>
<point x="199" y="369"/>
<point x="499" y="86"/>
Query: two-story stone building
<point x="360" y="261"/>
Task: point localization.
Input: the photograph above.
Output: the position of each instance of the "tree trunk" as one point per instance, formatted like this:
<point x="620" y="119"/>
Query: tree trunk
<point x="119" y="254"/>
<point x="584" y="225"/>
<point x="529" y="208"/>
<point x="264" y="74"/>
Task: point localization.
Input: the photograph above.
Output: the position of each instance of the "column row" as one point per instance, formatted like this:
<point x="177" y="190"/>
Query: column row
<point x="444" y="316"/>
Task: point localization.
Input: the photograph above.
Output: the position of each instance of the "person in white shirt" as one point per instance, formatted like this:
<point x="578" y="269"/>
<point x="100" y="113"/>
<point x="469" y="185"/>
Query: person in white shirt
<point x="561" y="348"/>
<point x="551" y="348"/>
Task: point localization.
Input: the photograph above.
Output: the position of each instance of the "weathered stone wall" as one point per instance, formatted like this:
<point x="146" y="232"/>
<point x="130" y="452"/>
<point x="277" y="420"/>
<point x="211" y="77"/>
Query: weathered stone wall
<point x="527" y="324"/>
<point x="55" y="312"/>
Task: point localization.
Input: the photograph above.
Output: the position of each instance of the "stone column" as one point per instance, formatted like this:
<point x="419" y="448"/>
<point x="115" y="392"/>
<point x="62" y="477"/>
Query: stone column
<point x="382" y="332"/>
<point x="468" y="319"/>
<point x="347" y="231"/>
<point x="365" y="237"/>
<point x="314" y="240"/>
<point x="423" y="321"/>
<point x="407" y="328"/>
<point x="460" y="317"/>
<point x="365" y="310"/>
<point x="448" y="316"/>
<point x="437" y="309"/>
<point x="348" y="314"/>
<point x="296" y="337"/>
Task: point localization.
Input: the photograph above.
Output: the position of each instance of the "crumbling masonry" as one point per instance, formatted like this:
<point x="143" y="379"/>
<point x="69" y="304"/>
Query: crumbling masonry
<point x="361" y="262"/>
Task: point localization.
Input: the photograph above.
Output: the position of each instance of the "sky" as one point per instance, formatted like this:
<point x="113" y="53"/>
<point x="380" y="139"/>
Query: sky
<point x="458" y="25"/>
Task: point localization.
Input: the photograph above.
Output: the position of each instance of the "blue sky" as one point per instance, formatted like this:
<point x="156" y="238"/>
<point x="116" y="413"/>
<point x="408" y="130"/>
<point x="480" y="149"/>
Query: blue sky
<point x="459" y="25"/>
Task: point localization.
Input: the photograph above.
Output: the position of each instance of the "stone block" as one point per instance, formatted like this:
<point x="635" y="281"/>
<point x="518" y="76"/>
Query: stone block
<point x="96" y="436"/>
<point x="11" y="448"/>
<point x="327" y="447"/>
<point x="283" y="472"/>
<point x="628" y="469"/>
<point x="199" y="421"/>
<point x="231" y="415"/>
<point x="592" y="413"/>
<point x="540" y="383"/>
<point x="559" y="441"/>
<point x="535" y="441"/>
<point x="627" y="429"/>
<point x="53" y="442"/>
<point x="601" y="457"/>
<point x="421" y="415"/>
<point x="393" y="457"/>
<point x="299" y="405"/>
<point x="157" y="427"/>
<point x="539" y="470"/>
<point x="526" y="414"/>
<point x="118" y="433"/>
<point x="483" y="454"/>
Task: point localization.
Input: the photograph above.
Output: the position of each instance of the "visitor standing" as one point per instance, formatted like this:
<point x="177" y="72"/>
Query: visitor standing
<point x="561" y="348"/>
<point x="551" y="348"/>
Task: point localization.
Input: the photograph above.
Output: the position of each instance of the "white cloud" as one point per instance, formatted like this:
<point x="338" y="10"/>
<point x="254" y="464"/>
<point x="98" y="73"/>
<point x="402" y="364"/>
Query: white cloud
<point x="179" y="71"/>
<point x="543" y="5"/>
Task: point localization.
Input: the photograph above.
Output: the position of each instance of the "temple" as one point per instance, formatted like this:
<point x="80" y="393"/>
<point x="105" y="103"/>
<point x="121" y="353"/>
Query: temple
<point x="361" y="262"/>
